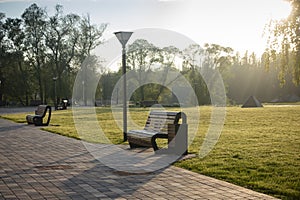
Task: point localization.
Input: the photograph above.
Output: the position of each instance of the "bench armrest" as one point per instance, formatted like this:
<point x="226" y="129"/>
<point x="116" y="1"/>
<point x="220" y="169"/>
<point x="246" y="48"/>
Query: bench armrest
<point x="178" y="138"/>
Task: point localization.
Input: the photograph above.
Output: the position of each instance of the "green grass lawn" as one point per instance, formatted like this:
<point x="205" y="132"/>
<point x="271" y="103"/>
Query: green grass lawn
<point x="259" y="148"/>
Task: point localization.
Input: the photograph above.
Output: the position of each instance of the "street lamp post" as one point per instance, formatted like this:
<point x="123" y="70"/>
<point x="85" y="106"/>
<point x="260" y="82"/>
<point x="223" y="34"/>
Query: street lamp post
<point x="123" y="37"/>
<point x="0" y="93"/>
<point x="55" y="98"/>
<point x="83" y="94"/>
<point x="117" y="96"/>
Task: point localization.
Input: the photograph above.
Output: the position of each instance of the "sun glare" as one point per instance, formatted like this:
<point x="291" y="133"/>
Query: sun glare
<point x="282" y="10"/>
<point x="233" y="23"/>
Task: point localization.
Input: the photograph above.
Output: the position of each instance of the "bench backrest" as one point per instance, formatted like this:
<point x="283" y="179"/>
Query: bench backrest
<point x="158" y="120"/>
<point x="41" y="110"/>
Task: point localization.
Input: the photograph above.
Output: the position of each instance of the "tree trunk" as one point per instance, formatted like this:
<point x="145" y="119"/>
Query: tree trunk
<point x="41" y="91"/>
<point x="25" y="85"/>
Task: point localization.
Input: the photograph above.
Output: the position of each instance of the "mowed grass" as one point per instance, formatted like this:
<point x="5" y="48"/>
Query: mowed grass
<point x="259" y="148"/>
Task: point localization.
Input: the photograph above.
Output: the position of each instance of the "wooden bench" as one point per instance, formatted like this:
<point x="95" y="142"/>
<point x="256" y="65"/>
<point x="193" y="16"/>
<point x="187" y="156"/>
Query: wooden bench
<point x="162" y="125"/>
<point x="63" y="105"/>
<point x="40" y="113"/>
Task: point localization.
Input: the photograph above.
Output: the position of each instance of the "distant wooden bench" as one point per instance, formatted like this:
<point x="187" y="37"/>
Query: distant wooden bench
<point x="63" y="105"/>
<point x="40" y="113"/>
<point x="162" y="125"/>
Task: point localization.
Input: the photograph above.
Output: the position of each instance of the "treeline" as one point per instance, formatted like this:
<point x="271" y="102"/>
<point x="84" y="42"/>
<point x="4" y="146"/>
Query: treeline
<point x="40" y="56"/>
<point x="243" y="76"/>
<point x="39" y="52"/>
<point x="261" y="78"/>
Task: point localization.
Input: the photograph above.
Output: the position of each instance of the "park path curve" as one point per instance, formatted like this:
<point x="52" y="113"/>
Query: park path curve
<point x="35" y="164"/>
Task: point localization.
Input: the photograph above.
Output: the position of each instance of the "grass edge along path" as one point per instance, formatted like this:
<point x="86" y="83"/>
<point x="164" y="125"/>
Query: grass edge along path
<point x="258" y="149"/>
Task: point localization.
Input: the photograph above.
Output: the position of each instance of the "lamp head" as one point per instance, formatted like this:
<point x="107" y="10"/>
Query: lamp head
<point x="123" y="37"/>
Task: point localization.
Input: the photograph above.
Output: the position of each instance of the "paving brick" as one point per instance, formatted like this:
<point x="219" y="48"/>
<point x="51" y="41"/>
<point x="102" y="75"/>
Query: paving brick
<point x="39" y="165"/>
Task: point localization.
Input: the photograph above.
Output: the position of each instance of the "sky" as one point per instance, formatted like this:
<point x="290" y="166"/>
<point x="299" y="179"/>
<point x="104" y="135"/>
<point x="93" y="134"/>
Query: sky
<point x="238" y="24"/>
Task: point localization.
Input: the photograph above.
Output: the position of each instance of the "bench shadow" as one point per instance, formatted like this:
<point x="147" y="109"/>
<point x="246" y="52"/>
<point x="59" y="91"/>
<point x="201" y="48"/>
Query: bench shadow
<point x="87" y="179"/>
<point x="12" y="127"/>
<point x="103" y="182"/>
<point x="100" y="180"/>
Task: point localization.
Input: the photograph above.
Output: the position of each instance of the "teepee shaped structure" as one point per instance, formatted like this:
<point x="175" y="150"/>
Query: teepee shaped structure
<point x="252" y="102"/>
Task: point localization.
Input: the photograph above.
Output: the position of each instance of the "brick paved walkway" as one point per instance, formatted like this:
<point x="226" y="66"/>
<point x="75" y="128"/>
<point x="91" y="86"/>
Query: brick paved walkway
<point x="35" y="164"/>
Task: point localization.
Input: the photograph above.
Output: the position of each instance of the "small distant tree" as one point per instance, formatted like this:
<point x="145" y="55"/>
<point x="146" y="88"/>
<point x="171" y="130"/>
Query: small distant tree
<point x="167" y="61"/>
<point x="192" y="66"/>
<point x="88" y="80"/>
<point x="219" y="57"/>
<point x="89" y="37"/>
<point x="141" y="57"/>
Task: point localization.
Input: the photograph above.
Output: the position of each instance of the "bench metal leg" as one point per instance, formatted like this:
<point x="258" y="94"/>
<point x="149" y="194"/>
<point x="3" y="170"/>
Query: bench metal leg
<point x="153" y="143"/>
<point x="132" y="146"/>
